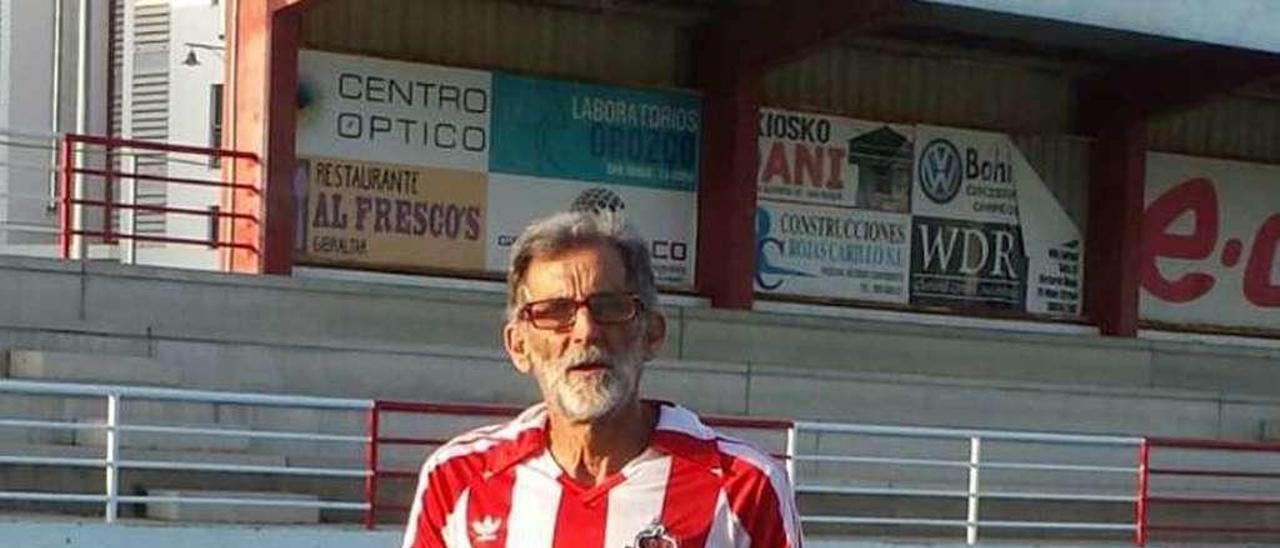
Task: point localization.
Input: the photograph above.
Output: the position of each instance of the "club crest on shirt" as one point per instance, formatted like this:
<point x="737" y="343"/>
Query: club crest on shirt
<point x="655" y="536"/>
<point x="486" y="528"/>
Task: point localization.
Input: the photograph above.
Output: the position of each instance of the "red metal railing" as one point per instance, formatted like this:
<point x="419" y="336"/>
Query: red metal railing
<point x="1146" y="500"/>
<point x="70" y="198"/>
<point x="1144" y="490"/>
<point x="1148" y="494"/>
<point x="376" y="439"/>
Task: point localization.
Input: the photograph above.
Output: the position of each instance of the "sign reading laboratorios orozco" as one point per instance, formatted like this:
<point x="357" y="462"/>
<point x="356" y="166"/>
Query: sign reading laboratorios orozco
<point x="1210" y="233"/>
<point x="422" y="167"/>
<point x="909" y="214"/>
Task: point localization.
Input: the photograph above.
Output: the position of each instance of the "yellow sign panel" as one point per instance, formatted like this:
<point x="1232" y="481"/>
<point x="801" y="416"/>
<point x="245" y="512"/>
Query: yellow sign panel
<point x="387" y="215"/>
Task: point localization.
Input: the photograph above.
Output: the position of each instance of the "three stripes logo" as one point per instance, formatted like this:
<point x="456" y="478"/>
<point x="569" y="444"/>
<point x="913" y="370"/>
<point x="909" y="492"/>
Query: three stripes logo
<point x="486" y="529"/>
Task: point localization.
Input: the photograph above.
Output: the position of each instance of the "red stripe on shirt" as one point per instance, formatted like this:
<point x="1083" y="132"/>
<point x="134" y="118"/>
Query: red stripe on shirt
<point x="581" y="517"/>
<point x="753" y="499"/>
<point x="689" y="504"/>
<point x="489" y="509"/>
<point x="445" y="484"/>
<point x="449" y="471"/>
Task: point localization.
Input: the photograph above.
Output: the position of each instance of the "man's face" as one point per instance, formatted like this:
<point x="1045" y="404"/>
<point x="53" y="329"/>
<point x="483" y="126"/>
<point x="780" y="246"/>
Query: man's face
<point x="588" y="369"/>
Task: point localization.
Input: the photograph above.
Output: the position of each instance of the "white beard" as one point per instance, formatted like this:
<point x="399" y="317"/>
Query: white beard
<point x="589" y="397"/>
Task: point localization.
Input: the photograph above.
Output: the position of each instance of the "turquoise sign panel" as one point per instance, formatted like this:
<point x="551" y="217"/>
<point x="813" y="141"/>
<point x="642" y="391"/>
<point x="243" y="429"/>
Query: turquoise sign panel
<point x="585" y="132"/>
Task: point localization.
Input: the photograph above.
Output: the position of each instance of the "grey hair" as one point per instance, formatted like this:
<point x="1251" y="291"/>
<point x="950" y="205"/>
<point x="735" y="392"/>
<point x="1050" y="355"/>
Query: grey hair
<point x="561" y="232"/>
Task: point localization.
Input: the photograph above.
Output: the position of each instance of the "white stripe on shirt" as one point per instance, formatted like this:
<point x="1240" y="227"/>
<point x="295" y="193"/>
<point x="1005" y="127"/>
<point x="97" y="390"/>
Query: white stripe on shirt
<point x="633" y="509"/>
<point x="532" y="523"/>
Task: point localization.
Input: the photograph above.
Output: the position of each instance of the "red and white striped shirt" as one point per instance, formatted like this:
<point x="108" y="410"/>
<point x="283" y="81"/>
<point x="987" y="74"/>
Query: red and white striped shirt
<point x="500" y="487"/>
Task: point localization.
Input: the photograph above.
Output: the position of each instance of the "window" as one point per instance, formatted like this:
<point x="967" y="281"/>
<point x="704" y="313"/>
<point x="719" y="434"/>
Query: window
<point x="215" y="122"/>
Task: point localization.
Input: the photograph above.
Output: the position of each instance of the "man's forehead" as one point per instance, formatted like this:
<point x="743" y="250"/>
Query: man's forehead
<point x="596" y="264"/>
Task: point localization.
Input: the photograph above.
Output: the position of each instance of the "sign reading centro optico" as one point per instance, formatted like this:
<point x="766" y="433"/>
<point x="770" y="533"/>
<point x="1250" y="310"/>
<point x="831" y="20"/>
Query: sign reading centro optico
<point x="504" y="148"/>
<point x="371" y="109"/>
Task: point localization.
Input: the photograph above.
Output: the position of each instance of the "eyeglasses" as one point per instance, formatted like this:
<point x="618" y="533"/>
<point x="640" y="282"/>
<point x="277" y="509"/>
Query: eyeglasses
<point x="560" y="313"/>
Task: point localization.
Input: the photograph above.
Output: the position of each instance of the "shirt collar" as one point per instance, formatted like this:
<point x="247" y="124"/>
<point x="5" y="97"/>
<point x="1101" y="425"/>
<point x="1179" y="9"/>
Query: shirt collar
<point x="681" y="434"/>
<point x="678" y="433"/>
<point x="530" y="440"/>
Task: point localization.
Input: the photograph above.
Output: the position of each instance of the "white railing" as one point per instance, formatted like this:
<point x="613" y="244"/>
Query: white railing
<point x="972" y="488"/>
<point x="975" y="457"/>
<point x="114" y="426"/>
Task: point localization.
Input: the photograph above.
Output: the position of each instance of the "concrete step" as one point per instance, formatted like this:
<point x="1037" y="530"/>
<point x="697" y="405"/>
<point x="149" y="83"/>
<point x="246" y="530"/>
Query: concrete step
<point x="135" y="454"/>
<point x="136" y="370"/>
<point x="168" y="442"/>
<point x="89" y="479"/>
<point x="227" y="513"/>
<point x="74" y="367"/>
<point x="160" y="413"/>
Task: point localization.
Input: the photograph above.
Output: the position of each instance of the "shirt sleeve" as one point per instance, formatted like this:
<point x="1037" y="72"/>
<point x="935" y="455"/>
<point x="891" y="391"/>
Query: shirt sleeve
<point x="440" y="485"/>
<point x="425" y="528"/>
<point x="761" y="497"/>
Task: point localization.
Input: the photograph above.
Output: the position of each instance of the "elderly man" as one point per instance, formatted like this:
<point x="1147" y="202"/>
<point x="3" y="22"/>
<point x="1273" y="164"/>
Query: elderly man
<point x="593" y="465"/>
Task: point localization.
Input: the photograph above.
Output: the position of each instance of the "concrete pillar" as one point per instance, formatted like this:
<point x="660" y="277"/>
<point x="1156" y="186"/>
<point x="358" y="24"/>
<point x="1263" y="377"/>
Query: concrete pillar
<point x="734" y="53"/>
<point x="727" y="192"/>
<point x="262" y="78"/>
<point x="1114" y="232"/>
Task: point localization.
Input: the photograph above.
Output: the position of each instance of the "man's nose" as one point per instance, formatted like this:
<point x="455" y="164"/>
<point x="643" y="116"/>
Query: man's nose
<point x="585" y="328"/>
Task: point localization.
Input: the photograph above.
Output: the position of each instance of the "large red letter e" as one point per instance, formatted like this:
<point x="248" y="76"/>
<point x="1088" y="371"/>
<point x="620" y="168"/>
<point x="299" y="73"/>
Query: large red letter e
<point x="1194" y="195"/>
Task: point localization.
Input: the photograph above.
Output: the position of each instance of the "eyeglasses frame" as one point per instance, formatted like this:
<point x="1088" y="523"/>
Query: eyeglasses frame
<point x="525" y="314"/>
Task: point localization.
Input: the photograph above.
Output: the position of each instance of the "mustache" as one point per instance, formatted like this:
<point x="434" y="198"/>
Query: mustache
<point x="589" y="355"/>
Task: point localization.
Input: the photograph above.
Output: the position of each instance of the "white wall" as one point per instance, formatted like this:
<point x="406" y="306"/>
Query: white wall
<point x="198" y="22"/>
<point x="25" y="91"/>
<point x="26" y="96"/>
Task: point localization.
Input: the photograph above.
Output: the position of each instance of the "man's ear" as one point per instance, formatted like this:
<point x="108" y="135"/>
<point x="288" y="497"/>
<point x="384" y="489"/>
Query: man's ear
<point x="513" y="341"/>
<point x="655" y="334"/>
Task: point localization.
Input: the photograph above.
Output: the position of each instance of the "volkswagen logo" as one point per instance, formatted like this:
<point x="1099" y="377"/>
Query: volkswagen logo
<point x="940" y="171"/>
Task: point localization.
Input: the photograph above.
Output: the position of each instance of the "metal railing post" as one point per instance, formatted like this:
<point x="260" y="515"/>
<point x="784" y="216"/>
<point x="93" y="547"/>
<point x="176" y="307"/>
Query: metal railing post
<point x="65" y="169"/>
<point x="128" y="216"/>
<point x="1140" y="508"/>
<point x="84" y="32"/>
<point x="55" y="110"/>
<point x="79" y="247"/>
<point x="371" y="464"/>
<point x="215" y="215"/>
<point x="113" y="457"/>
<point x="975" y="462"/>
<point x="791" y="455"/>
<point x="109" y="195"/>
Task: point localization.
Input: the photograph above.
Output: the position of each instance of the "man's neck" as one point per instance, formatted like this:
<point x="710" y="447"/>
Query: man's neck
<point x="590" y="451"/>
